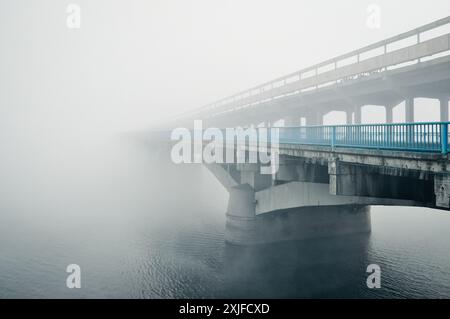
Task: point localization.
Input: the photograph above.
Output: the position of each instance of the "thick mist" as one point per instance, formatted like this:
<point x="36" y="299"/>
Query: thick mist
<point x="133" y="63"/>
<point x="76" y="187"/>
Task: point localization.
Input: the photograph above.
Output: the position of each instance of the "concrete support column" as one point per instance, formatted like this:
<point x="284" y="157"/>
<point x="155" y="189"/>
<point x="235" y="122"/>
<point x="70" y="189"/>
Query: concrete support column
<point x="409" y="110"/>
<point x="349" y="115"/>
<point x="389" y="114"/>
<point x="342" y="179"/>
<point x="442" y="190"/>
<point x="409" y="118"/>
<point x="309" y="120"/>
<point x="302" y="121"/>
<point x="444" y="109"/>
<point x="240" y="218"/>
<point x="358" y="116"/>
<point x="242" y="202"/>
<point x="319" y="118"/>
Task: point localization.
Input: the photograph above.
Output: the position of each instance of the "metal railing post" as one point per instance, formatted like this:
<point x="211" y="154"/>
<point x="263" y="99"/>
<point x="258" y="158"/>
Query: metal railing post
<point x="444" y="138"/>
<point x="388" y="133"/>
<point x="333" y="137"/>
<point x="410" y="132"/>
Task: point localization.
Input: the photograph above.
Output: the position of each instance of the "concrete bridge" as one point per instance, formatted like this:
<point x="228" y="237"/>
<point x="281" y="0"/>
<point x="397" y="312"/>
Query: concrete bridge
<point x="329" y="176"/>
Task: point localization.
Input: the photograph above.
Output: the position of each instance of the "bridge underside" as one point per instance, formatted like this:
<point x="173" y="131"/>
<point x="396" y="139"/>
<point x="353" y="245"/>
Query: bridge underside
<point x="319" y="192"/>
<point x="386" y="88"/>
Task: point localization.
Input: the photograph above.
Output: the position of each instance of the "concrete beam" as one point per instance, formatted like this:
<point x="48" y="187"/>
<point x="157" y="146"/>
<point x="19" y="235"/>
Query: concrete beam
<point x="301" y="194"/>
<point x="419" y="161"/>
<point x="313" y="173"/>
<point x="409" y="110"/>
<point x="366" y="181"/>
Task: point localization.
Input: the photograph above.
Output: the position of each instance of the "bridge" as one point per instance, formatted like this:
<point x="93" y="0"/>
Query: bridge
<point x="330" y="175"/>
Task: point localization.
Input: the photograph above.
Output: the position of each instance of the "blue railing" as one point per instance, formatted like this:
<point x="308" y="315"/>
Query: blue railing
<point x="417" y="137"/>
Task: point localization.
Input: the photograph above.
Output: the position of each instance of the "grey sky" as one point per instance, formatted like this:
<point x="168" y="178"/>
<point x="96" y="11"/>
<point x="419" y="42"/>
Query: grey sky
<point x="134" y="62"/>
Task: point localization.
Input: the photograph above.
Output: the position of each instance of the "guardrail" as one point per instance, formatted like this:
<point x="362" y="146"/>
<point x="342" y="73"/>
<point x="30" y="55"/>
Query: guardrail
<point x="348" y="66"/>
<point x="417" y="137"/>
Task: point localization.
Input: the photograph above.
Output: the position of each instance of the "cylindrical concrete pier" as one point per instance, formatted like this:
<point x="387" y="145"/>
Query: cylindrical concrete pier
<point x="298" y="224"/>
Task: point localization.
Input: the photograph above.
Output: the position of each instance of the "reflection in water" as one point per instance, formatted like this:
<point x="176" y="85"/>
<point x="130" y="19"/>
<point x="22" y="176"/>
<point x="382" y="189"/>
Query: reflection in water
<point x="140" y="227"/>
<point x="311" y="268"/>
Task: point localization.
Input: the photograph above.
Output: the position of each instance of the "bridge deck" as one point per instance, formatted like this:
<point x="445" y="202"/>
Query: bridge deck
<point x="354" y="66"/>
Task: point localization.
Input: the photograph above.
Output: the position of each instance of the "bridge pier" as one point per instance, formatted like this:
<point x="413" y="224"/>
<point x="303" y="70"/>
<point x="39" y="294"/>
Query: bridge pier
<point x="389" y="114"/>
<point x="442" y="190"/>
<point x="265" y="208"/>
<point x="443" y="109"/>
<point x="240" y="216"/>
<point x="409" y="110"/>
<point x="349" y="117"/>
<point x="357" y="112"/>
<point x="321" y="191"/>
<point x="298" y="224"/>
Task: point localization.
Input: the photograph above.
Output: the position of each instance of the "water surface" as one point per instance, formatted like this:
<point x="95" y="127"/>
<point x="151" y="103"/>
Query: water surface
<point x="140" y="227"/>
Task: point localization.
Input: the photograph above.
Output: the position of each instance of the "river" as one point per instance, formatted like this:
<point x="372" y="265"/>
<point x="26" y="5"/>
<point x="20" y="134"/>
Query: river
<point x="140" y="227"/>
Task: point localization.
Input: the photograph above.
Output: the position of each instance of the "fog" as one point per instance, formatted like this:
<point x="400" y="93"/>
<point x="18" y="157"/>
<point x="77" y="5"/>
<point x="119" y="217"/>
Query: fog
<point x="132" y="63"/>
<point x="68" y="176"/>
